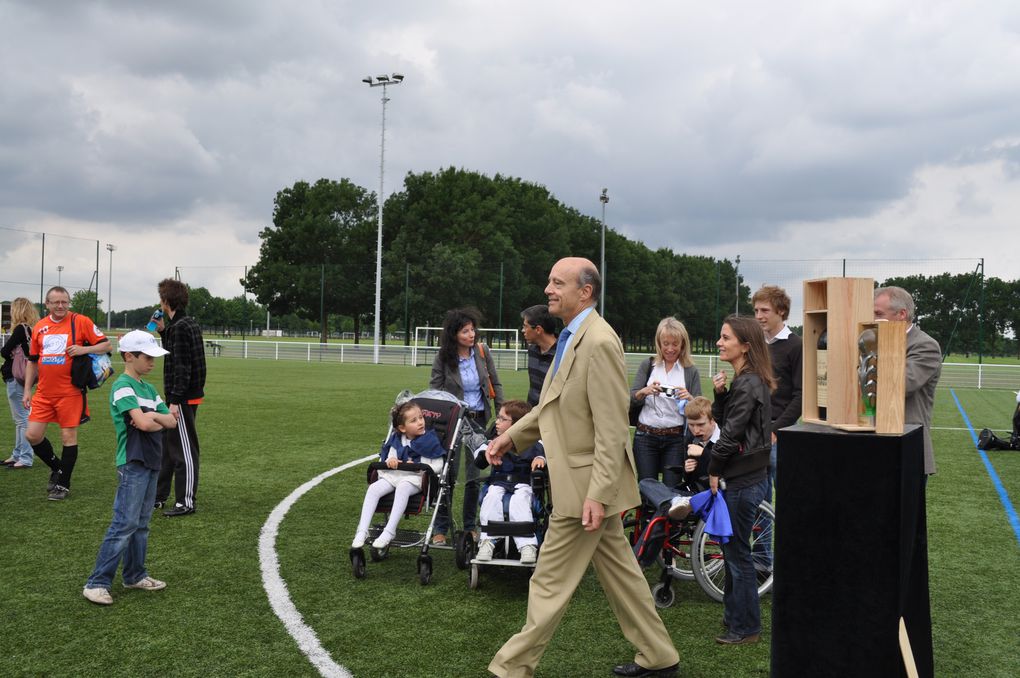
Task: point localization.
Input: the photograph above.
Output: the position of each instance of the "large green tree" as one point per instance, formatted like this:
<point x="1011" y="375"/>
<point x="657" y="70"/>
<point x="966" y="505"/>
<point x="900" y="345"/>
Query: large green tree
<point x="314" y="259"/>
<point x="87" y="303"/>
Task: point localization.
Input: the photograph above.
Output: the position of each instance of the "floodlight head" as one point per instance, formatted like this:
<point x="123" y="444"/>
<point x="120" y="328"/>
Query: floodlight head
<point x="398" y="77"/>
<point x="382" y="78"/>
<point x="367" y="80"/>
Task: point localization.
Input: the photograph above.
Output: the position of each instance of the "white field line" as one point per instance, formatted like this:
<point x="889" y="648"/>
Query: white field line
<point x="276" y="587"/>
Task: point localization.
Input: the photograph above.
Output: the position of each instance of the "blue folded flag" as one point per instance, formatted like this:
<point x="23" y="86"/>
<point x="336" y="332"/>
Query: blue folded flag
<point x="713" y="510"/>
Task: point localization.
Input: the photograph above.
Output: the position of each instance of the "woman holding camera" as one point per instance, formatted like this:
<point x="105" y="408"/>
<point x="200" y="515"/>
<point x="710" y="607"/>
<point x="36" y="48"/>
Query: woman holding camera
<point x="661" y="389"/>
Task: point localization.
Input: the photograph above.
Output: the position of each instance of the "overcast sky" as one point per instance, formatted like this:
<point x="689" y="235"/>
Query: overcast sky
<point x="778" y="130"/>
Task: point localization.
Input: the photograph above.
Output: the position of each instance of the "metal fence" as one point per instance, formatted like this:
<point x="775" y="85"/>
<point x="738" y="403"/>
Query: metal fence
<point x="954" y="375"/>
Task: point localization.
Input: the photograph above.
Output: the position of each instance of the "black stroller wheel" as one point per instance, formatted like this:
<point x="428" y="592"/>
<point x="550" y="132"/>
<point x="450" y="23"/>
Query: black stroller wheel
<point x="358" y="563"/>
<point x="378" y="554"/>
<point x="425" y="569"/>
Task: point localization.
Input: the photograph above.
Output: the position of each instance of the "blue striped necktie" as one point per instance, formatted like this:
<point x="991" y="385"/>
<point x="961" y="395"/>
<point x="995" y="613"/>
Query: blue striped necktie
<point x="561" y="347"/>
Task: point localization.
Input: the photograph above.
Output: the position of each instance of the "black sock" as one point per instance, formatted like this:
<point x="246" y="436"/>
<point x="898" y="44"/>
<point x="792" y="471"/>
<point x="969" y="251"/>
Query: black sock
<point x="44" y="450"/>
<point x="68" y="459"/>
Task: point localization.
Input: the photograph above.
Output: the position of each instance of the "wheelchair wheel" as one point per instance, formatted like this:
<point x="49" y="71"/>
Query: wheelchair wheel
<point x="464" y="549"/>
<point x="663" y="595"/>
<point x="473" y="578"/>
<point x="378" y="555"/>
<point x="358" y="563"/>
<point x="707" y="557"/>
<point x="425" y="569"/>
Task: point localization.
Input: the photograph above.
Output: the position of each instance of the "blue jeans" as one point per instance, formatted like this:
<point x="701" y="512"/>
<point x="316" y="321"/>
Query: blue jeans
<point x="22" y="450"/>
<point x="741" y="611"/>
<point x="128" y="534"/>
<point x="654" y="453"/>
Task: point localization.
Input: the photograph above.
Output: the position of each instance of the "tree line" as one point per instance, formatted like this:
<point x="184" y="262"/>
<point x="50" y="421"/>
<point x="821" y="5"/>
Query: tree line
<point x="457" y="238"/>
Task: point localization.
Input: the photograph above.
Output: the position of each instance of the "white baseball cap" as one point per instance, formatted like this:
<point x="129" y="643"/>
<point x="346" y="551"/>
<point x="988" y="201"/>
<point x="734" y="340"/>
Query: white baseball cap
<point x="137" y="340"/>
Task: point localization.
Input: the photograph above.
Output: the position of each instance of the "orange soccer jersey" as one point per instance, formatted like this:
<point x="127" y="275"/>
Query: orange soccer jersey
<point x="50" y="341"/>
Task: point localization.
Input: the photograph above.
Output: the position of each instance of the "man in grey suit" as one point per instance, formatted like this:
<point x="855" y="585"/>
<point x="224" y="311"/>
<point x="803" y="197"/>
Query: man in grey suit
<point x="924" y="364"/>
<point x="581" y="418"/>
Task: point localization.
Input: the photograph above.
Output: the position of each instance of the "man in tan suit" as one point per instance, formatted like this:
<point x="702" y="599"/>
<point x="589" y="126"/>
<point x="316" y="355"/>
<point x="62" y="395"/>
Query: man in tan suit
<point x="581" y="418"/>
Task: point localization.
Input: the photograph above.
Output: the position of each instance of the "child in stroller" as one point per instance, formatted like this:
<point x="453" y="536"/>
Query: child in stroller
<point x="410" y="442"/>
<point x="512" y="477"/>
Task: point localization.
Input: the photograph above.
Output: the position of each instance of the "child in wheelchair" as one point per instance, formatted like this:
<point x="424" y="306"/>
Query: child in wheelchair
<point x="513" y="477"/>
<point x="660" y="500"/>
<point x="410" y="442"/>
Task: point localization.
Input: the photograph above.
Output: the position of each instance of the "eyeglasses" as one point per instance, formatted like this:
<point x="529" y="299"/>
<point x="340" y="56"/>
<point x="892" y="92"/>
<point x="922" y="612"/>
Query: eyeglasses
<point x="503" y="419"/>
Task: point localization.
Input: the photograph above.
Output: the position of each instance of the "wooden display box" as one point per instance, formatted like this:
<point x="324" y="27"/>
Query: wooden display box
<point x="892" y="375"/>
<point x="839" y="305"/>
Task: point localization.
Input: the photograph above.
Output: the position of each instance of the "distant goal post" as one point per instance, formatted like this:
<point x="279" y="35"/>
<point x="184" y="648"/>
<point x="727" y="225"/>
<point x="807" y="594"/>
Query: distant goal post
<point x="426" y="345"/>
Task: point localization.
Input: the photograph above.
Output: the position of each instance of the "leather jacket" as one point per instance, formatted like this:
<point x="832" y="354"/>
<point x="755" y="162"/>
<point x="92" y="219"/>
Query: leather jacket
<point x="744" y="413"/>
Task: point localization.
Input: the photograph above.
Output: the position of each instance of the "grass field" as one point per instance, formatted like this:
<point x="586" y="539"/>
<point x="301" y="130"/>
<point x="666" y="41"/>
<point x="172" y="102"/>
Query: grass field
<point x="267" y="427"/>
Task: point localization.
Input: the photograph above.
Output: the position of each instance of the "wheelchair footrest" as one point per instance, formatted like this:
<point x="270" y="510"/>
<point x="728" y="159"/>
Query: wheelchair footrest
<point x="509" y="528"/>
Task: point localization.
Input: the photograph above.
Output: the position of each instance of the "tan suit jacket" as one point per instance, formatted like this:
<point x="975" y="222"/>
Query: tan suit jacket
<point x="581" y="419"/>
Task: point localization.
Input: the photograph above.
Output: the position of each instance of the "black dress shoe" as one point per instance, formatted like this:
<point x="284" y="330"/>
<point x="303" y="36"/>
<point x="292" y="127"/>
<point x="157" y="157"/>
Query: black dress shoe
<point x="633" y="670"/>
<point x="731" y="638"/>
<point x="178" y="510"/>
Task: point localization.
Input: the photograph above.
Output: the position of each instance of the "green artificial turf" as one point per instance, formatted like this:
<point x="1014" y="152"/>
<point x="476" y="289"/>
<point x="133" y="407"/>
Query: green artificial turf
<point x="268" y="427"/>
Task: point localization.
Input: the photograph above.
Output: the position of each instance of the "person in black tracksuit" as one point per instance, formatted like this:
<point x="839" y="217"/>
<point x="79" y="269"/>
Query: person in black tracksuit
<point x="184" y="384"/>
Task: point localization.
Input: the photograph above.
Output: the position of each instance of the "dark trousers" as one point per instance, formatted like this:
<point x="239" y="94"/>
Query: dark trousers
<point x="741" y="608"/>
<point x="471" y="483"/>
<point x="180" y="460"/>
<point x="653" y="454"/>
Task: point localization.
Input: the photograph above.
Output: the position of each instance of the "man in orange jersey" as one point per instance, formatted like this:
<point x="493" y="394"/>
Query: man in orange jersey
<point x="55" y="342"/>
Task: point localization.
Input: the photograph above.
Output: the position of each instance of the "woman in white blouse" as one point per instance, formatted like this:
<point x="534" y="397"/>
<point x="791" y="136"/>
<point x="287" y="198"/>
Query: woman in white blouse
<point x="661" y="389"/>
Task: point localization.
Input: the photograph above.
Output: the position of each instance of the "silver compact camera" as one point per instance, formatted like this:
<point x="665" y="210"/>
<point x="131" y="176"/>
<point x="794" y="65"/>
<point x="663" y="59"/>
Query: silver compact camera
<point x="670" y="391"/>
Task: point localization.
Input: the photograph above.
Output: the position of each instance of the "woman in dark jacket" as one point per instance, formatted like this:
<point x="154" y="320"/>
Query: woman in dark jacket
<point x="24" y="316"/>
<point x="466" y="370"/>
<point x="741" y="456"/>
<point x="660" y="392"/>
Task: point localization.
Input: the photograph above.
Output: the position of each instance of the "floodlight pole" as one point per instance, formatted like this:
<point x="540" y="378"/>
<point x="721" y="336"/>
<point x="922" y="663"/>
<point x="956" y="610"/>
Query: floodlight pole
<point x="380" y="81"/>
<point x="109" y="289"/>
<point x="60" y="272"/>
<point x="736" y="285"/>
<point x="604" y="198"/>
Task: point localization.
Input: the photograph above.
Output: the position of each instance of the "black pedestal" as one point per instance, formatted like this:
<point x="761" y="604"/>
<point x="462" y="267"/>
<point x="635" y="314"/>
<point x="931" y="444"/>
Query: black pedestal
<point x="851" y="554"/>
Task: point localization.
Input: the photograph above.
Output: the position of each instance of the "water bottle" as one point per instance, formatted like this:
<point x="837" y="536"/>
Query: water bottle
<point x="152" y="326"/>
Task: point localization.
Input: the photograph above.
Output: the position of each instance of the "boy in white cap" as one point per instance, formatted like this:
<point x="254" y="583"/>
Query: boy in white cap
<point x="139" y="415"/>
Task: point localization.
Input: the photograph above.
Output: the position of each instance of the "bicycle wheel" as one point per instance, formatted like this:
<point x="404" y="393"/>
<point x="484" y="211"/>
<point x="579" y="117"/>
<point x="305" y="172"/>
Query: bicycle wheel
<point x="708" y="562"/>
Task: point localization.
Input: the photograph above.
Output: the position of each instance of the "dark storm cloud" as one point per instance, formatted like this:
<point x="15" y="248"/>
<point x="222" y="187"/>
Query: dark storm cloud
<point x="712" y="126"/>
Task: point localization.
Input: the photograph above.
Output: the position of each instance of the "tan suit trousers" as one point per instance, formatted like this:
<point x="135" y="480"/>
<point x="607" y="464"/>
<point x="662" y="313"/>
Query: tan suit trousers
<point x="564" y="558"/>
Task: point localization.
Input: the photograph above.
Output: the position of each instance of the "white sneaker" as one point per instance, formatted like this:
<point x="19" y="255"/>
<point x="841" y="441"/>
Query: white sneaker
<point x="680" y="508"/>
<point x="98" y="595"/>
<point x="485" y="550"/>
<point x="529" y="554"/>
<point x="382" y="541"/>
<point x="147" y="584"/>
<point x="359" y="540"/>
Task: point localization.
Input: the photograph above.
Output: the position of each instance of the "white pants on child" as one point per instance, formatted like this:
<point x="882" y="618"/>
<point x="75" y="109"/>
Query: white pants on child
<point x="378" y="490"/>
<point x="520" y="510"/>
